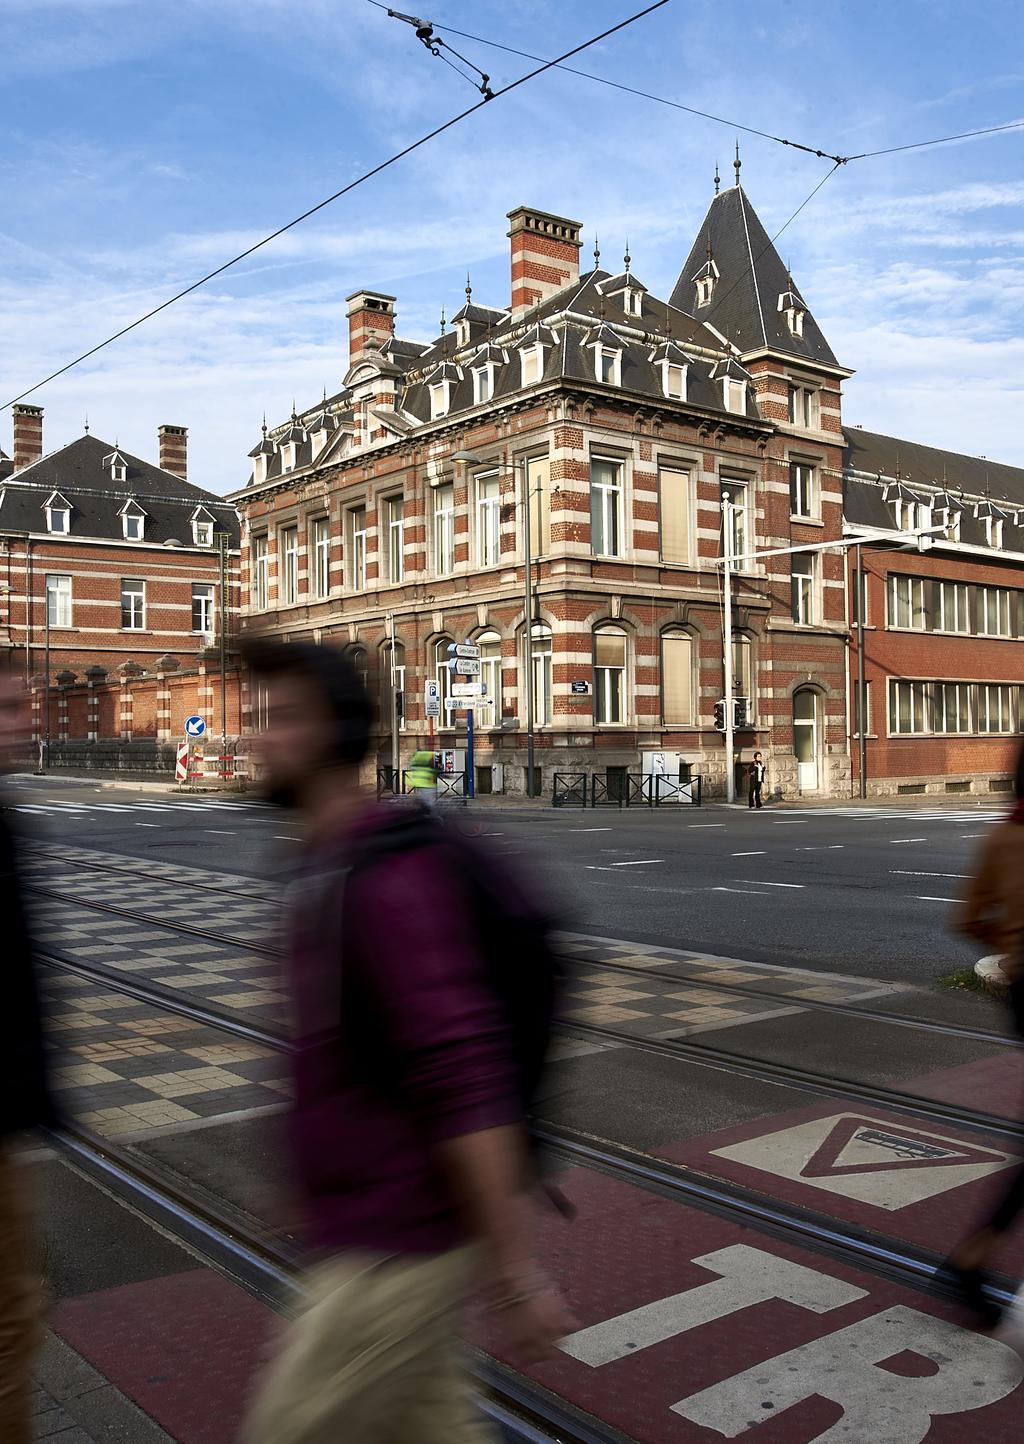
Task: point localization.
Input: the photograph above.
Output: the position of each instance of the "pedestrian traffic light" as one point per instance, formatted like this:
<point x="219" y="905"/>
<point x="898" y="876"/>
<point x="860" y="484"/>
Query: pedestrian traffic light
<point x="720" y="716"/>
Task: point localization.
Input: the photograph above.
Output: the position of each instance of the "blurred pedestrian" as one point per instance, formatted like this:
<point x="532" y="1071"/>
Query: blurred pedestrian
<point x="24" y="1104"/>
<point x="993" y="914"/>
<point x="422" y="775"/>
<point x="755" y="776"/>
<point x="407" y="1132"/>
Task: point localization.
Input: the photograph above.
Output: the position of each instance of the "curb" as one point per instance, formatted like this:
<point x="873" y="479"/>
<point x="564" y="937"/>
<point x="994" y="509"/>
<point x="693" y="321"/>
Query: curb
<point x="990" y="972"/>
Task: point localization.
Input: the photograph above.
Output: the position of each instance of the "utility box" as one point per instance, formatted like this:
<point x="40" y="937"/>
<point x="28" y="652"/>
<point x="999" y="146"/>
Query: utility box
<point x="665" y="771"/>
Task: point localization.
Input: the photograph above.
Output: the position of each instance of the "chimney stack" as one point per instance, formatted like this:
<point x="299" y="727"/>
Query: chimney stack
<point x="371" y="321"/>
<point x="28" y="434"/>
<point x="174" y="450"/>
<point x="545" y="256"/>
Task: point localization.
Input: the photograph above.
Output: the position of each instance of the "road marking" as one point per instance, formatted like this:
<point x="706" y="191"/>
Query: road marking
<point x="823" y="847"/>
<point x="972" y="834"/>
<point x="642" y="862"/>
<point x="895" y="841"/>
<point x="747" y="890"/>
<point x="748" y="854"/>
<point x="216" y="832"/>
<point x="792" y="822"/>
<point x="922" y="898"/>
<point x="147" y="824"/>
<point x="759" y="882"/>
<point x="492" y="834"/>
<point x="904" y="872"/>
<point x="285" y="837"/>
<point x="590" y="829"/>
<point x="705" y="824"/>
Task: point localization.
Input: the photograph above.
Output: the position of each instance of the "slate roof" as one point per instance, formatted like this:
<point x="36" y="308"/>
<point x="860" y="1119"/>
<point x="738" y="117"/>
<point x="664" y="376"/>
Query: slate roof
<point x="744" y="304"/>
<point x="78" y="472"/>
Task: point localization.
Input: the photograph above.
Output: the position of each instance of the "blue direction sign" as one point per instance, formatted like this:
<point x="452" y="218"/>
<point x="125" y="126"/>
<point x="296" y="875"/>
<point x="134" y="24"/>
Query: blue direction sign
<point x="194" y="726"/>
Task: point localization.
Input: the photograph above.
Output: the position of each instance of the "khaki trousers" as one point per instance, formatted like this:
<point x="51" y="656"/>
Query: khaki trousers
<point x="374" y="1358"/>
<point x="19" y="1305"/>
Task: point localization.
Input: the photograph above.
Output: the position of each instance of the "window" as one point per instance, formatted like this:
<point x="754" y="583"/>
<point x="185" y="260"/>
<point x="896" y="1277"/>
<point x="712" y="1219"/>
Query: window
<point x="134" y="525"/>
<point x="734" y="518"/>
<point x="490" y="675"/>
<point x="288" y="541"/>
<point x="58" y="601"/>
<point x="993" y="611"/>
<point x="856" y="708"/>
<point x="909" y="707"/>
<point x="357" y="548"/>
<point x="803" y="490"/>
<point x="444" y="530"/>
<point x="795" y="320"/>
<point x="538" y="479"/>
<point x="322" y="556"/>
<point x="952" y="609"/>
<point x="58" y="520"/>
<point x="605" y="507"/>
<point x="607" y="364"/>
<point x="360" y="663"/>
<point x="673" y="380"/>
<point x="907" y="603"/>
<point x="864" y="600"/>
<point x="803" y="407"/>
<point x="202" y="608"/>
<point x="609" y="675"/>
<point x="994" y="532"/>
<point x="994" y="708"/>
<point x="952" y="707"/>
<point x="705" y="286"/>
<point x="531" y="362"/>
<point x="950" y="521"/>
<point x="742" y="671"/>
<point x="202" y="533"/>
<point x="439" y="399"/>
<point x="633" y="302"/>
<point x="395" y="508"/>
<point x="734" y="394"/>
<point x="133" y="605"/>
<point x="675" y="505"/>
<point x="288" y="456"/>
<point x="392" y="684"/>
<point x="261" y="571"/>
<point x="443" y="678"/>
<point x="912" y="515"/>
<point x="676" y="679"/>
<point x="540" y="658"/>
<point x="803" y="575"/>
<point x="488" y="519"/>
<point x="483" y="384"/>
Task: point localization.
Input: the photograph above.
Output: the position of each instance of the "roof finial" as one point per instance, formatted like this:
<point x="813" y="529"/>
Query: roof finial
<point x="708" y="246"/>
<point x="597" y="255"/>
<point x="627" y="258"/>
<point x="469" y="290"/>
<point x="87" y="423"/>
<point x="443" y="321"/>
<point x="737" y="163"/>
<point x="718" y="179"/>
<point x="264" y="426"/>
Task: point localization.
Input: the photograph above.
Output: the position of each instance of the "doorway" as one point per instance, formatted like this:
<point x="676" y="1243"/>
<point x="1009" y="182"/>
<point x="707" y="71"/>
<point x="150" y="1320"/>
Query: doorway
<point x="805" y="738"/>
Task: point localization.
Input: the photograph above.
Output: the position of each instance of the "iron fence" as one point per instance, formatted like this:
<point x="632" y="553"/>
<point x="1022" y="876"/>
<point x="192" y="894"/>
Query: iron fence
<point x="569" y="789"/>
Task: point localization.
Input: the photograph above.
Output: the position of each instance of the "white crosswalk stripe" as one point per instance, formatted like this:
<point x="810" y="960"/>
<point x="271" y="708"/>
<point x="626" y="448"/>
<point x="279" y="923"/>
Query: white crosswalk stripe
<point x="75" y="809"/>
<point x="986" y="813"/>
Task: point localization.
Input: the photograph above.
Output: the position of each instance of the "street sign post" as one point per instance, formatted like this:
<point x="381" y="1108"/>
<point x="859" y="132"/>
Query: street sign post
<point x="463" y="649"/>
<point x="465" y="704"/>
<point x="464" y="659"/>
<point x="466" y="666"/>
<point x="469" y="689"/>
<point x="194" y="726"/>
<point x="432" y="699"/>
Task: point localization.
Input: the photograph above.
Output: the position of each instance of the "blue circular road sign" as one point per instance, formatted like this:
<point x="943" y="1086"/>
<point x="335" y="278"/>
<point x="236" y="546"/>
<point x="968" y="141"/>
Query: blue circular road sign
<point x="194" y="727"/>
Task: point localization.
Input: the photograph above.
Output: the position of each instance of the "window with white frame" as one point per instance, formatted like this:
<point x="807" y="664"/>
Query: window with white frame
<point x="803" y="489"/>
<point x="488" y="519"/>
<point x="609" y="675"/>
<point x="531" y="363"/>
<point x="538" y="480"/>
<point x="862" y="601"/>
<point x="356" y="540"/>
<point x="58" y="519"/>
<point x="734" y="518"/>
<point x="952" y="707"/>
<point x="133" y="604"/>
<point x="605" y="507"/>
<point x="260" y="571"/>
<point x="995" y="707"/>
<point x="857" y="728"/>
<point x="444" y="530"/>
<point x="58" y="601"/>
<point x="490" y="675"/>
<point x="443" y="678"/>
<point x="909" y="707"/>
<point x="804" y="574"/>
<point x="743" y="670"/>
<point x="675" y="506"/>
<point x="483" y="384"/>
<point x="288" y="453"/>
<point x="632" y="302"/>
<point x="395" y="510"/>
<point x="907" y="606"/>
<point x="993" y="611"/>
<point x="321" y="556"/>
<point x="134" y="524"/>
<point x="607" y="364"/>
<point x="202" y="608"/>
<point x="540" y="660"/>
<point x="803" y="407"/>
<point x="676" y="678"/>
<point x="392" y="684"/>
<point x="673" y="380"/>
<point x="994" y="532"/>
<point x="439" y="399"/>
<point x="912" y="515"/>
<point x="705" y="287"/>
<point x="202" y="532"/>
<point x="288" y="546"/>
<point x="952" y="607"/>
<point x="734" y="392"/>
<point x="950" y="522"/>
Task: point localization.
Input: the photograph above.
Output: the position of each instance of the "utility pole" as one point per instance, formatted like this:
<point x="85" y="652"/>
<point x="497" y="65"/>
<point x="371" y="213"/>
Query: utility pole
<point x="46" y="670"/>
<point x="223" y="541"/>
<point x="730" y="714"/>
<point x="862" y="724"/>
<point x="528" y="611"/>
<point x="390" y="626"/>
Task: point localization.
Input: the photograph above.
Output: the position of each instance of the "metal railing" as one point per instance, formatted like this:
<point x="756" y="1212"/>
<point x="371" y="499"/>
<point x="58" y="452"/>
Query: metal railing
<point x="569" y="789"/>
<point x="632" y="789"/>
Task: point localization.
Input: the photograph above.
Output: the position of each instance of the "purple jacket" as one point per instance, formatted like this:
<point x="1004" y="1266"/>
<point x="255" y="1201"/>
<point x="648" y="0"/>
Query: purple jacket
<point x="400" y="1045"/>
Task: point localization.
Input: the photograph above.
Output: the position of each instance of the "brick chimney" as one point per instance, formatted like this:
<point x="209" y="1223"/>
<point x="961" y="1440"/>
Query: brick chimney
<point x="545" y="256"/>
<point x="371" y="321"/>
<point x="28" y="434"/>
<point x="174" y="450"/>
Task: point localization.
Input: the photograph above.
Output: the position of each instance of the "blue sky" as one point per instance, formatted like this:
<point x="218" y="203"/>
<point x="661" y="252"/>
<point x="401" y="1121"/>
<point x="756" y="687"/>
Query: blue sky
<point x="145" y="142"/>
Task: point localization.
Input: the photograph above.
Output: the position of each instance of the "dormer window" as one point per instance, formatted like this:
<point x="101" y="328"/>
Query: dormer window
<point x="202" y="527"/>
<point x="531" y="359"/>
<point x="440" y="399"/>
<point x="259" y="469"/>
<point x="705" y="288"/>
<point x="58" y="514"/>
<point x="673" y="380"/>
<point x="795" y="320"/>
<point x="483" y="384"/>
<point x="462" y="333"/>
<point x="133" y="521"/>
<point x="950" y="524"/>
<point x="994" y="532"/>
<point x="734" y="393"/>
<point x="633" y="302"/>
<point x="607" y="365"/>
<point x="288" y="453"/>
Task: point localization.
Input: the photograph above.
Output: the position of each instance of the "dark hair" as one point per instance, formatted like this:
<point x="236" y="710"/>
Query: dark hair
<point x="334" y="677"/>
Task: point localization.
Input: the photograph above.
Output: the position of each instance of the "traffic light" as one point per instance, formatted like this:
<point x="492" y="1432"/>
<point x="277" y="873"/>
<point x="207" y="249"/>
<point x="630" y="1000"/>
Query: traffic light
<point x="720" y="716"/>
<point x="741" y="712"/>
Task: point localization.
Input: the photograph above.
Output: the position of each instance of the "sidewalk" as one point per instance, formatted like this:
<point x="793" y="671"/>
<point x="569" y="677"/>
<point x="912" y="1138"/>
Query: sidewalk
<point x="74" y="1404"/>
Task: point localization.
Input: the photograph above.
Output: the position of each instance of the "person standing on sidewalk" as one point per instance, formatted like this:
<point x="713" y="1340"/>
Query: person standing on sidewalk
<point x="993" y="914"/>
<point x="24" y="1104"/>
<point x="407" y="1132"/>
<point x="755" y="774"/>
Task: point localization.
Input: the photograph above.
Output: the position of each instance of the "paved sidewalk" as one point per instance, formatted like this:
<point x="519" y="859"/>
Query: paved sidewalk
<point x="74" y="1404"/>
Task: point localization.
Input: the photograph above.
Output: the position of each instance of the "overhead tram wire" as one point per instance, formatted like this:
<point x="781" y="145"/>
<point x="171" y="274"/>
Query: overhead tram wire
<point x="939" y="140"/>
<point x="367" y="175"/>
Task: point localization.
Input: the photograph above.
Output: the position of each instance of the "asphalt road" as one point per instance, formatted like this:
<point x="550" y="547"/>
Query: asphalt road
<point x="866" y="890"/>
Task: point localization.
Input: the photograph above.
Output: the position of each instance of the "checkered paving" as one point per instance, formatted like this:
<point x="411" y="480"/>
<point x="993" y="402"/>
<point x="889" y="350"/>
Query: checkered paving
<point x="125" y="1068"/>
<point x="147" y="868"/>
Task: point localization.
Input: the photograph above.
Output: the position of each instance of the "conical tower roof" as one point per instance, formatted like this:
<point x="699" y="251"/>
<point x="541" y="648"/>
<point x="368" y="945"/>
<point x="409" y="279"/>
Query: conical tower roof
<point x="752" y="290"/>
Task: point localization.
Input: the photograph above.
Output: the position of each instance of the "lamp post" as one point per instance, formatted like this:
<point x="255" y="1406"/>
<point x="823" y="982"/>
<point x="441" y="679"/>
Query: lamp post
<point x="389" y="623"/>
<point x="862" y="727"/>
<point x="730" y="712"/>
<point x="46" y="670"/>
<point x="223" y="541"/>
<point x="528" y="612"/>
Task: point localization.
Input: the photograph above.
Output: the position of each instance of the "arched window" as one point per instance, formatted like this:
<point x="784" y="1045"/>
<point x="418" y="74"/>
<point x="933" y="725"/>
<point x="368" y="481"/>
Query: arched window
<point x="609" y="675"/>
<point x="387" y="685"/>
<point x="743" y="671"/>
<point x="490" y="674"/>
<point x="443" y="676"/>
<point x="676" y="678"/>
<point x="540" y="661"/>
<point x="357" y="656"/>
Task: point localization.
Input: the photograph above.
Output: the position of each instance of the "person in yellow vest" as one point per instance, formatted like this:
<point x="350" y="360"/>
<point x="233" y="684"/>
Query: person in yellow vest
<point x="422" y="776"/>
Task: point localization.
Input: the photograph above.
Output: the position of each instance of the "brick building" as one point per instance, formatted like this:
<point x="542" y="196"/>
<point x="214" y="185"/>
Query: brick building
<point x="109" y="568"/>
<point x="943" y="630"/>
<point x="394" y="509"/>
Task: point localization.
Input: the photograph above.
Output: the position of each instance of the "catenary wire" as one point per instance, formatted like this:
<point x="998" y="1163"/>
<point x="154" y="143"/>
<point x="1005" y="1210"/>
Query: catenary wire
<point x="939" y="140"/>
<point x="367" y="175"/>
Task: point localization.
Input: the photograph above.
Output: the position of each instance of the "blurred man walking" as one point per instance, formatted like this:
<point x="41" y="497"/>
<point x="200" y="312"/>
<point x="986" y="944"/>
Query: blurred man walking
<point x="408" y="1131"/>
